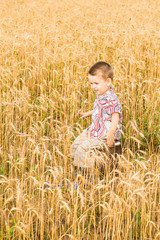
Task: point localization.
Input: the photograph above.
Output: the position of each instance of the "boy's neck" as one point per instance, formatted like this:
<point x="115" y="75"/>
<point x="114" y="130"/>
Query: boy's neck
<point x="105" y="92"/>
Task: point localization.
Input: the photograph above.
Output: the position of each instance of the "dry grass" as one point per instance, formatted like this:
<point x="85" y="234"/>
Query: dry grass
<point x="46" y="49"/>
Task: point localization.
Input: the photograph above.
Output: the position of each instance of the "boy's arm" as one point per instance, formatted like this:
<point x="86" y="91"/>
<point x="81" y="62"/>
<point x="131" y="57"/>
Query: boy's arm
<point x="112" y="130"/>
<point x="85" y="114"/>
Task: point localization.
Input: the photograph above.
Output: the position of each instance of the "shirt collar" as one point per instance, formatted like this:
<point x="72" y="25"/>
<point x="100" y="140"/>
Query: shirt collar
<point x="110" y="91"/>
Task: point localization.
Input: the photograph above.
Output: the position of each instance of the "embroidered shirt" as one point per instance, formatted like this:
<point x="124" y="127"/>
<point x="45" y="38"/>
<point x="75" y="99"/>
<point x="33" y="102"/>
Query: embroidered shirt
<point x="104" y="106"/>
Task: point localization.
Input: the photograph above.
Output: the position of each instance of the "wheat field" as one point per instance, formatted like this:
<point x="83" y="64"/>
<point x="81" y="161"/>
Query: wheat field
<point x="47" y="47"/>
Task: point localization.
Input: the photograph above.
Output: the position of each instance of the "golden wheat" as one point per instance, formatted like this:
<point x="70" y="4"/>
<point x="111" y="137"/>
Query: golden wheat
<point x="46" y="49"/>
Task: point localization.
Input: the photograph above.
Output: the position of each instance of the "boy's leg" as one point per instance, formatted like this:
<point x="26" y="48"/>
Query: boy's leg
<point x="114" y="152"/>
<point x="82" y="137"/>
<point x="85" y="153"/>
<point x="112" y="161"/>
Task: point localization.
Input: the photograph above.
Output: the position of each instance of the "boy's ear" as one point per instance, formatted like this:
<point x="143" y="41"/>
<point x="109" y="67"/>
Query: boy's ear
<point x="109" y="80"/>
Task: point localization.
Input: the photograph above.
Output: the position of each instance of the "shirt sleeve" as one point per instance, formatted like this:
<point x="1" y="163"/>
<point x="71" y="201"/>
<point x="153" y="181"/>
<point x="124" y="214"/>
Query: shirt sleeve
<point x="115" y="106"/>
<point x="111" y="105"/>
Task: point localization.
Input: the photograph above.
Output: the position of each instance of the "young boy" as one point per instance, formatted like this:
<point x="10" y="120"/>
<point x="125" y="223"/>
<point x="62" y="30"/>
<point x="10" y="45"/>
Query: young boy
<point x="106" y="123"/>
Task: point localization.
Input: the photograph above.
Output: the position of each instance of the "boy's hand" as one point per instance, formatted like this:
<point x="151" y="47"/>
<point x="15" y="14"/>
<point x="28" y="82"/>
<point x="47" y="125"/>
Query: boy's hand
<point x="110" y="138"/>
<point x="85" y="114"/>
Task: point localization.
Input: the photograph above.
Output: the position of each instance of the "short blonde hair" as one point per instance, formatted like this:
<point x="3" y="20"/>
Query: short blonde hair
<point x="103" y="68"/>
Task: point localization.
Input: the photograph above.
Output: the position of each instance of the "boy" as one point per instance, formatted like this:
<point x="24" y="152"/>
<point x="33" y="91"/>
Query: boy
<point x="106" y="123"/>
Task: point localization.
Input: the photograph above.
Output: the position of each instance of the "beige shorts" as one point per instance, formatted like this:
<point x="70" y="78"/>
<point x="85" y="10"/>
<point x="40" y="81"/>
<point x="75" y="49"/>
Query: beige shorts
<point x="83" y="149"/>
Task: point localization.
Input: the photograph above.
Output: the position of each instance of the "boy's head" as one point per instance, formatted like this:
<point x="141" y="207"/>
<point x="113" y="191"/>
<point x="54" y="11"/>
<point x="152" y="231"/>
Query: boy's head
<point x="100" y="77"/>
<point x="102" y="69"/>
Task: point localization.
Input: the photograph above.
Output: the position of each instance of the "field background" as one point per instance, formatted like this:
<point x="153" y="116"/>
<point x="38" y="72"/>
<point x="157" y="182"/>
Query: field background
<point x="46" y="49"/>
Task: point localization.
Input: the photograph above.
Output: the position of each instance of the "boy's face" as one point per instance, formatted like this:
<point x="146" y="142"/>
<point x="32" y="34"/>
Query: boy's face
<point x="99" y="85"/>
